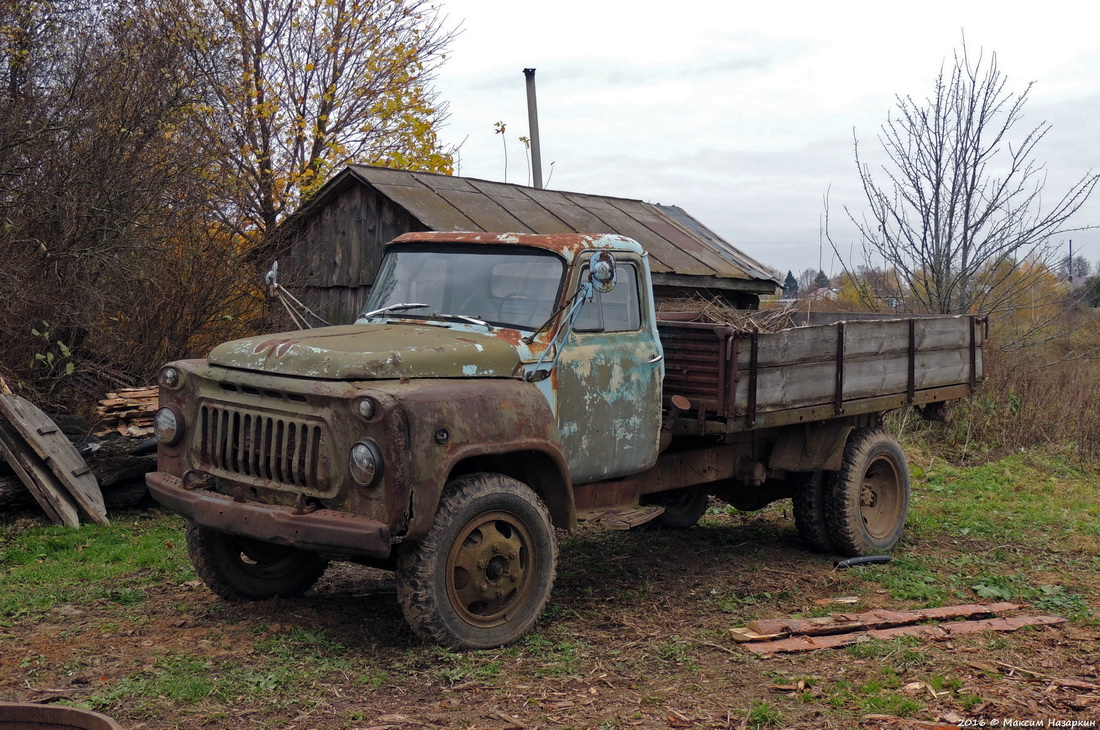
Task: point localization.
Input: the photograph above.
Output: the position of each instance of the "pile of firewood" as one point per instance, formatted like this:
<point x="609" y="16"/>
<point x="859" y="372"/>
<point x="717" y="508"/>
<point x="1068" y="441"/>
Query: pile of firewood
<point x="128" y="412"/>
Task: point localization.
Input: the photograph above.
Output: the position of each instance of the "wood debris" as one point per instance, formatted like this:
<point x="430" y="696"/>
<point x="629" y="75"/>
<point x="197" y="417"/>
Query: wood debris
<point x="717" y="311"/>
<point x="796" y="635"/>
<point x="128" y="412"/>
<point x="838" y="623"/>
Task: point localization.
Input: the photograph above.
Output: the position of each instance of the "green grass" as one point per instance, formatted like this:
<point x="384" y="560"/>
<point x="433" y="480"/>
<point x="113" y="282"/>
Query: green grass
<point x="561" y="658"/>
<point x="764" y="715"/>
<point x="49" y="566"/>
<point x="1032" y="497"/>
<point x="1024" y="529"/>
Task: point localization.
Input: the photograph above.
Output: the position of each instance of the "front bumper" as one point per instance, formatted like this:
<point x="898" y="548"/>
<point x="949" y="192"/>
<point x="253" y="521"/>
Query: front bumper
<point x="324" y="530"/>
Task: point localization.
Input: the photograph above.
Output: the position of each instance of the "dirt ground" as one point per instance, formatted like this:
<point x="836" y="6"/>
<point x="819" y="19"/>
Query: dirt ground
<point x="636" y="636"/>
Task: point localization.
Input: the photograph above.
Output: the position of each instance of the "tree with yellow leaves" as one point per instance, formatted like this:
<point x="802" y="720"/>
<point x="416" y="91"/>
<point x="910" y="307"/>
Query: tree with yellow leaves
<point x="300" y="88"/>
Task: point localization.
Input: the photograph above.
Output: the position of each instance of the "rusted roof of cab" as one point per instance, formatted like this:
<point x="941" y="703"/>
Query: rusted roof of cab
<point x="567" y="245"/>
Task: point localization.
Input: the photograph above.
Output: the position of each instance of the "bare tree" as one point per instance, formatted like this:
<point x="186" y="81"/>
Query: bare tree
<point x="1075" y="267"/>
<point x="957" y="209"/>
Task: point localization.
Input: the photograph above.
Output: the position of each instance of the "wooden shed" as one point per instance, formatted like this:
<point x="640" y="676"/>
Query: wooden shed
<point x="331" y="247"/>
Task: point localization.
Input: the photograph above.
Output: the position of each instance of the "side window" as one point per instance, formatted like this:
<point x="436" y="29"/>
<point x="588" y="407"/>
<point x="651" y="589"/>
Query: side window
<point x="616" y="311"/>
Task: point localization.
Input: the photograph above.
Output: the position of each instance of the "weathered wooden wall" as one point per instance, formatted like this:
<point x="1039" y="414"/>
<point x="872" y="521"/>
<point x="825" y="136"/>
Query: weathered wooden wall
<point x="336" y="253"/>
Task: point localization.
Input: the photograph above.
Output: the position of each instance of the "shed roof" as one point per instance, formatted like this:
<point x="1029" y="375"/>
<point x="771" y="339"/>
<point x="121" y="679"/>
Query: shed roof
<point x="683" y="252"/>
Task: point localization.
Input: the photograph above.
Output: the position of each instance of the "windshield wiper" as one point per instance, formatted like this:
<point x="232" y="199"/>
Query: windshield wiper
<point x="461" y="318"/>
<point x="392" y="308"/>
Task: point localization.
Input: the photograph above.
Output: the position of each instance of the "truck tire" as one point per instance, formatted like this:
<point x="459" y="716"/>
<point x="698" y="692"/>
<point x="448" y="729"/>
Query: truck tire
<point x="867" y="501"/>
<point x="242" y="569"/>
<point x="483" y="574"/>
<point x="683" y="508"/>
<point x="809" y="511"/>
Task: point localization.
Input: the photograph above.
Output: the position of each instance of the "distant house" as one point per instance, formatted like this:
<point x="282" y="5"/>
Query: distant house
<point x="331" y="246"/>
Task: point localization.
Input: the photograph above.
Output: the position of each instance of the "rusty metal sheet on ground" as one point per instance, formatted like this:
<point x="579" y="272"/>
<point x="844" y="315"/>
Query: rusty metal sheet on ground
<point x="56" y="454"/>
<point x="925" y="631"/>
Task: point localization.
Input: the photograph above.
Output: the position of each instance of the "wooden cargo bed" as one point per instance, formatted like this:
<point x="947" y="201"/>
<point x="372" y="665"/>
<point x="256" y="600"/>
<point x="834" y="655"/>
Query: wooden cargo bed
<point x="826" y="368"/>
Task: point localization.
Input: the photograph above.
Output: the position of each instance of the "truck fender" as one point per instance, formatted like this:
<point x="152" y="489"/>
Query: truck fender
<point x="482" y="424"/>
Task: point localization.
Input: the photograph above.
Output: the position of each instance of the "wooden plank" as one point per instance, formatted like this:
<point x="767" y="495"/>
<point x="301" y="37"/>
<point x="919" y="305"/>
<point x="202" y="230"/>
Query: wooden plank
<point x="57" y="454"/>
<point x="338" y="241"/>
<point x="793" y="347"/>
<point x="807" y="384"/>
<point x="926" y="631"/>
<point x="874" y="619"/>
<point x="817" y="343"/>
<point x="55" y="501"/>
<point x="623" y="518"/>
<point x="371" y="238"/>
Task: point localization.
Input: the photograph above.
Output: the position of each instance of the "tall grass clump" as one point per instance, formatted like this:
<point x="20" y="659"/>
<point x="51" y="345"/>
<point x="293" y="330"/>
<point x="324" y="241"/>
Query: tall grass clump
<point x="1040" y="394"/>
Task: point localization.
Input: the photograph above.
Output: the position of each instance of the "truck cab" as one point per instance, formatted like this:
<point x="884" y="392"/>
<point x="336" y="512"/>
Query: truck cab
<point x="497" y="387"/>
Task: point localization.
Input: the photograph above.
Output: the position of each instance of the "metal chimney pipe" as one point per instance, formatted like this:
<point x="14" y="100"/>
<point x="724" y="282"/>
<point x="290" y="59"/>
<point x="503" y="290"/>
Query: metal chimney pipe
<point x="533" y="125"/>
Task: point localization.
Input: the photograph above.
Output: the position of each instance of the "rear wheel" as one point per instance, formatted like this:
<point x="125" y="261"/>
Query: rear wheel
<point x="240" y="568"/>
<point x="683" y="508"/>
<point x="483" y="575"/>
<point x="867" y="501"/>
<point x="809" y="511"/>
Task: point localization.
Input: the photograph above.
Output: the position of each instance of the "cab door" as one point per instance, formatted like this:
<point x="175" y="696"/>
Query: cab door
<point x="609" y="379"/>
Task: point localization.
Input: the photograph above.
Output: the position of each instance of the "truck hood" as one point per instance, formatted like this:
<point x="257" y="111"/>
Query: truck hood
<point x="372" y="351"/>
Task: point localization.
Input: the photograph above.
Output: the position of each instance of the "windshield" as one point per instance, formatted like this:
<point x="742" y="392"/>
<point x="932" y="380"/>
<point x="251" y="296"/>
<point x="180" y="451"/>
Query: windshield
<point x="513" y="288"/>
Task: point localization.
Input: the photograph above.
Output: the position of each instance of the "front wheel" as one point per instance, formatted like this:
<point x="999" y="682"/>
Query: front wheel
<point x="241" y="569"/>
<point x="867" y="501"/>
<point x="483" y="575"/>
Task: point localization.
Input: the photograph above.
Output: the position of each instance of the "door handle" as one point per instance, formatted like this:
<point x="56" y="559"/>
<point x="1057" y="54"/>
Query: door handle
<point x="656" y="358"/>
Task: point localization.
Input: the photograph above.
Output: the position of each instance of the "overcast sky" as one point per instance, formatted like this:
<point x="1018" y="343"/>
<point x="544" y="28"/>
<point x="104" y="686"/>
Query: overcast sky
<point x="743" y="114"/>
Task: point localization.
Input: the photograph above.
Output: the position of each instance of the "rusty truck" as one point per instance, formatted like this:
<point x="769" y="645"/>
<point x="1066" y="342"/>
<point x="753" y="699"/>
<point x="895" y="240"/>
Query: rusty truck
<point x="498" y="388"/>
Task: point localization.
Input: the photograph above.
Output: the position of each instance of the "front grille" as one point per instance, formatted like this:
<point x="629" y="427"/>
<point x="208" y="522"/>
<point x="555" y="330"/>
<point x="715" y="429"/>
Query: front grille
<point x="277" y="450"/>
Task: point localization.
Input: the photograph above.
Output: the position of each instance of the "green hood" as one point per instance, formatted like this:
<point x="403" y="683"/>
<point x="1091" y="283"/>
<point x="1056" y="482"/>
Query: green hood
<point x="372" y="351"/>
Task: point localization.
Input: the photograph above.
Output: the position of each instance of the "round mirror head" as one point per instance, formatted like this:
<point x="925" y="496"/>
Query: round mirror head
<point x="602" y="272"/>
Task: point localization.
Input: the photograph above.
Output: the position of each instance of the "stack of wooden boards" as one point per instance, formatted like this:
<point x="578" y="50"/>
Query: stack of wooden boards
<point x="128" y="412"/>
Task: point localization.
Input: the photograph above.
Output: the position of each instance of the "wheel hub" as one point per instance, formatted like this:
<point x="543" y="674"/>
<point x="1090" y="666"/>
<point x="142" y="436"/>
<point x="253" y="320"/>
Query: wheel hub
<point x="488" y="576"/>
<point x="880" y="505"/>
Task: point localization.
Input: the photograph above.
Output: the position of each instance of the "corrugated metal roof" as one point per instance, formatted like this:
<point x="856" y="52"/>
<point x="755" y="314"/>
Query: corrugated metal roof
<point x="677" y="243"/>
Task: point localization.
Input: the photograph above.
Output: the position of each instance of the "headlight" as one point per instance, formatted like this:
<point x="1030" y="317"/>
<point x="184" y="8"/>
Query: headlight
<point x="365" y="462"/>
<point x="170" y="377"/>
<point x="168" y="425"/>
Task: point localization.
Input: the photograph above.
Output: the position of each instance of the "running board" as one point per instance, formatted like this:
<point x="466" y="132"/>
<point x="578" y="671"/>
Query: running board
<point x="622" y="518"/>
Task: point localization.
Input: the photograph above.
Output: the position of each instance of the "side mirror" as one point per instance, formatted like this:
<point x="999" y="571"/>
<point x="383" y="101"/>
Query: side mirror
<point x="602" y="272"/>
